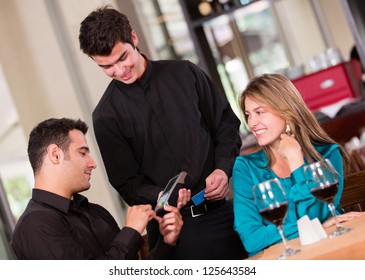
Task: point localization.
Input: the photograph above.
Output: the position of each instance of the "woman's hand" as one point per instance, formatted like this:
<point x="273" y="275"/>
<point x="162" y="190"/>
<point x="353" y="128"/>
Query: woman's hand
<point x="290" y="150"/>
<point x="342" y="218"/>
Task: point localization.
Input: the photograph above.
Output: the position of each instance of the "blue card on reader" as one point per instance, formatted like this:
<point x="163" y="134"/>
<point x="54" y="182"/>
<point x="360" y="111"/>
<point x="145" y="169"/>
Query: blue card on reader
<point x="198" y="198"/>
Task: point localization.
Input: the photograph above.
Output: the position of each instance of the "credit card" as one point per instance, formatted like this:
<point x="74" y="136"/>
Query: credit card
<point x="198" y="198"/>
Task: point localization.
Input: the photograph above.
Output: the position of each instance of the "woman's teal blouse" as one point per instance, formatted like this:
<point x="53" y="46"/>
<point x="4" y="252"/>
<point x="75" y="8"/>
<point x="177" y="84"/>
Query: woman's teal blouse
<point x="255" y="232"/>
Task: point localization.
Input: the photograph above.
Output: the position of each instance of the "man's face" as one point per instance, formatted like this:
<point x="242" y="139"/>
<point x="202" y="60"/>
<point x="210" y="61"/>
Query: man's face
<point x="78" y="163"/>
<point x="124" y="64"/>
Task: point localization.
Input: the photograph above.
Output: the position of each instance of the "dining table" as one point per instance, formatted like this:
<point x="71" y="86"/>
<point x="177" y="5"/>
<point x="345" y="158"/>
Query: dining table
<point x="350" y="246"/>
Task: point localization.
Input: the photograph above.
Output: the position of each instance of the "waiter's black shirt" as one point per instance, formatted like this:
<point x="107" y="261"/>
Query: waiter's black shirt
<point x="172" y="119"/>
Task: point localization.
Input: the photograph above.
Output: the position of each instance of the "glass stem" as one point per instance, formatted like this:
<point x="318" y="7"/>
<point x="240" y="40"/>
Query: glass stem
<point x="333" y="212"/>
<point x="281" y="231"/>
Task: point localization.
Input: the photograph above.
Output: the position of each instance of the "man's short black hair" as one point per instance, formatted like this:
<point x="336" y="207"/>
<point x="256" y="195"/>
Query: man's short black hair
<point x="51" y="131"/>
<point x="102" y="29"/>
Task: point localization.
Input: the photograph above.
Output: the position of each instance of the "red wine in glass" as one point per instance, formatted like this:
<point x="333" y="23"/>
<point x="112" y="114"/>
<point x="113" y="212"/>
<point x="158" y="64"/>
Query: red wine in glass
<point x="322" y="180"/>
<point x="327" y="193"/>
<point x="276" y="214"/>
<point x="272" y="204"/>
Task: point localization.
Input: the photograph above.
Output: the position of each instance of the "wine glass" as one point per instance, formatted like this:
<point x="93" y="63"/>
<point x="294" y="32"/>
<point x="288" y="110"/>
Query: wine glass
<point x="322" y="180"/>
<point x="272" y="203"/>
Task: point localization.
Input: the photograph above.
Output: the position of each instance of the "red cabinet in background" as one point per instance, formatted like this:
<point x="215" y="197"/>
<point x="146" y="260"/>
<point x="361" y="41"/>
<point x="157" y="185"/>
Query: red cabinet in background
<point x="330" y="85"/>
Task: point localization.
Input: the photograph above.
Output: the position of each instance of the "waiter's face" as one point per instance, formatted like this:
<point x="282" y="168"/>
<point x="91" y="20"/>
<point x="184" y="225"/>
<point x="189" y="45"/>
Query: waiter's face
<point x="124" y="64"/>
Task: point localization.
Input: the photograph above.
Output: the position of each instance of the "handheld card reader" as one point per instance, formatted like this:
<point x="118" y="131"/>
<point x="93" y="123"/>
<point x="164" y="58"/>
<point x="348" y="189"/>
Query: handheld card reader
<point x="171" y="192"/>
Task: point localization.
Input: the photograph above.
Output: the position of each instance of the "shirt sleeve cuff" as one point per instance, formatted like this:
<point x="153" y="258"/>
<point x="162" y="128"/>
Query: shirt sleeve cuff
<point x="162" y="251"/>
<point x="130" y="238"/>
<point x="299" y="189"/>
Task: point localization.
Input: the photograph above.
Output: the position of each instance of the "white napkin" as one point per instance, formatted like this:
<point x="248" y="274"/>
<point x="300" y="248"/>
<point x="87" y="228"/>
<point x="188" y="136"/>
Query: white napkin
<point x="310" y="231"/>
<point x="332" y="110"/>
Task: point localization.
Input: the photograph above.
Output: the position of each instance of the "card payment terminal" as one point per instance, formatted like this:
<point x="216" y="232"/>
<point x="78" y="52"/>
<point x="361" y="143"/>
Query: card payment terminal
<point x="171" y="192"/>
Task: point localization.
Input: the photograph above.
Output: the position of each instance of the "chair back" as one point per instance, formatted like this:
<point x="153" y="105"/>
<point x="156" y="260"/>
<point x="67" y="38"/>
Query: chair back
<point x="144" y="251"/>
<point x="357" y="159"/>
<point x="353" y="196"/>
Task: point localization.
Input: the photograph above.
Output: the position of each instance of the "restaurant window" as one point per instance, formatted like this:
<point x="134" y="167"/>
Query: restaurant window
<point x="261" y="32"/>
<point x="15" y="171"/>
<point x="244" y="40"/>
<point x="170" y="34"/>
<point x="6" y="226"/>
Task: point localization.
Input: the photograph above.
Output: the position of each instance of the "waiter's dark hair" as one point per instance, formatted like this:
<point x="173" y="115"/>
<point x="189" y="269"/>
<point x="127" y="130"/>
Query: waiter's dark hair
<point x="102" y="29"/>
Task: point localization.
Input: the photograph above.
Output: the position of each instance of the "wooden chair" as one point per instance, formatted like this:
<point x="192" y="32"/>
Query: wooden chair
<point x="358" y="159"/>
<point x="144" y="251"/>
<point x="353" y="196"/>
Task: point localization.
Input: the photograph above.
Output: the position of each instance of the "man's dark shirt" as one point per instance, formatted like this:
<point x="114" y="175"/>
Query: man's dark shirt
<point x="54" y="227"/>
<point x="172" y="119"/>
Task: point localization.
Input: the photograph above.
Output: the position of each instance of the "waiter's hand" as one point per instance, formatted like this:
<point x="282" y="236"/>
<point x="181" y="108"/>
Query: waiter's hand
<point x="184" y="197"/>
<point x="216" y="185"/>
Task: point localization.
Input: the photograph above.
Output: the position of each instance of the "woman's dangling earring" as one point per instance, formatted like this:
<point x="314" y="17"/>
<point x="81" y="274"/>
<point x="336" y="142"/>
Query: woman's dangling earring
<point x="288" y="129"/>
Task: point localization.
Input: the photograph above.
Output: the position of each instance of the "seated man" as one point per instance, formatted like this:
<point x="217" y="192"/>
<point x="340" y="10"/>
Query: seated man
<point x="60" y="223"/>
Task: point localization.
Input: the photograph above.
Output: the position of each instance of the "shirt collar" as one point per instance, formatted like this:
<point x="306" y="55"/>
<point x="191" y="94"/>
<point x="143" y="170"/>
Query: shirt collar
<point x="143" y="80"/>
<point x="59" y="202"/>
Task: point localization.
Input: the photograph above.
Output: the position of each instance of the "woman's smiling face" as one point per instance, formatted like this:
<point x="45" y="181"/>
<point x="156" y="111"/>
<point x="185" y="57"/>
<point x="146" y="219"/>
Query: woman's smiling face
<point x="266" y="125"/>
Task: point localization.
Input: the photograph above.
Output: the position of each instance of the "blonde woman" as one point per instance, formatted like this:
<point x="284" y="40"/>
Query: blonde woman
<point x="289" y="137"/>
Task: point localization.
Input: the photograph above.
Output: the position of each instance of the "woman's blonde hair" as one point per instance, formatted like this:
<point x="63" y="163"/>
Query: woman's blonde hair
<point x="282" y="98"/>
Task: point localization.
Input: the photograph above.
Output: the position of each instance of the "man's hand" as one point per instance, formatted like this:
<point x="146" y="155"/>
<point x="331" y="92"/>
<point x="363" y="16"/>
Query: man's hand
<point x="216" y="185"/>
<point x="138" y="216"/>
<point x="170" y="224"/>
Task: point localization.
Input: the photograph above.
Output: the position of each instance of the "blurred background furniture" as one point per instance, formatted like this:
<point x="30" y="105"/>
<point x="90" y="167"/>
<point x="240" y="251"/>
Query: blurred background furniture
<point x="353" y="196"/>
<point x="347" y="123"/>
<point x="358" y="159"/>
<point x="330" y="85"/>
<point x="144" y="251"/>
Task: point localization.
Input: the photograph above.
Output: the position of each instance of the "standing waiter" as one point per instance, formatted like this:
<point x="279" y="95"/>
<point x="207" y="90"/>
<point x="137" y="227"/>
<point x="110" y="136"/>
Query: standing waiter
<point x="156" y="119"/>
